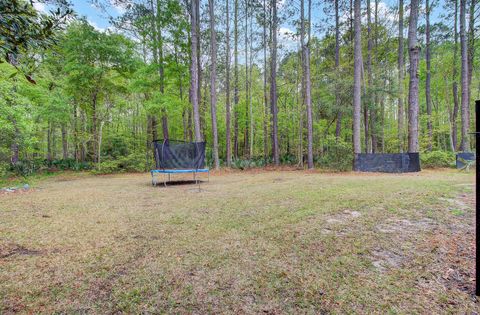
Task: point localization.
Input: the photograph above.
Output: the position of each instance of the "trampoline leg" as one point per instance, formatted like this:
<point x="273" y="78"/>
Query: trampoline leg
<point x="168" y="176"/>
<point x="164" y="180"/>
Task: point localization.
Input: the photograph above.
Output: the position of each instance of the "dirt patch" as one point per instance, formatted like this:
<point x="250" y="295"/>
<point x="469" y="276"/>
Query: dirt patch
<point x="344" y="217"/>
<point x="401" y="226"/>
<point x="15" y="249"/>
<point x="384" y="259"/>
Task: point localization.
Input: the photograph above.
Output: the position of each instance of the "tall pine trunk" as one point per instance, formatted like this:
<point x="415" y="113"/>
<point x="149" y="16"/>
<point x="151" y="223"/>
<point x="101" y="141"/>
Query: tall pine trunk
<point x="368" y="96"/>
<point x="454" y="115"/>
<point x="161" y="66"/>
<point x="414" y="54"/>
<point x="465" y="144"/>
<point x="338" y="127"/>
<point x="235" y="80"/>
<point x="357" y="77"/>
<point x="307" y="86"/>
<point x="227" y="90"/>
<point x="265" y="97"/>
<point x="273" y="86"/>
<point x="428" y="98"/>
<point x="64" y="142"/>
<point x="194" y="70"/>
<point x="213" y="79"/>
<point x="401" y="72"/>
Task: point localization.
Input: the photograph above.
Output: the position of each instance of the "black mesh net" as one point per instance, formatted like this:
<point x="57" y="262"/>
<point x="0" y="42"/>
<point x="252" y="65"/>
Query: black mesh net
<point x="174" y="154"/>
<point x="387" y="163"/>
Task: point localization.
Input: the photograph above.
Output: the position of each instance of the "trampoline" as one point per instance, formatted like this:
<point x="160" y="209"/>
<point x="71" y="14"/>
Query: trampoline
<point x="178" y="157"/>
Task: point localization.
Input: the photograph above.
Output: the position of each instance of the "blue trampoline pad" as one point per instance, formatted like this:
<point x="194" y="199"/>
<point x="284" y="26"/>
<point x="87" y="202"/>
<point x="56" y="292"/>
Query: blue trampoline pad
<point x="200" y="170"/>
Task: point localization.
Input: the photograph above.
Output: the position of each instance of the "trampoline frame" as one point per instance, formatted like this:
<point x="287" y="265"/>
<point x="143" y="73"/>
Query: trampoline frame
<point x="168" y="172"/>
<point x="172" y="171"/>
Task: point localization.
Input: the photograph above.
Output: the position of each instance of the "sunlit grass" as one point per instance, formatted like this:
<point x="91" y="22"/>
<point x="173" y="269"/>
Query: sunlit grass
<point x="248" y="242"/>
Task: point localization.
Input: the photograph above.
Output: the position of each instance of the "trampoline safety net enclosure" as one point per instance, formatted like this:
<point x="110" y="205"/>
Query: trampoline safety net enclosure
<point x="387" y="163"/>
<point x="175" y="154"/>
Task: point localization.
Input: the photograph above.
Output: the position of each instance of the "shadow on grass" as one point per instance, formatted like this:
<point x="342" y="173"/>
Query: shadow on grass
<point x="179" y="183"/>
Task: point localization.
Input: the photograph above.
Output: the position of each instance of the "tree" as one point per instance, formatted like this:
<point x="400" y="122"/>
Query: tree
<point x="428" y="98"/>
<point x="194" y="69"/>
<point x="454" y="114"/>
<point x="465" y="144"/>
<point x="235" y="80"/>
<point x="414" y="54"/>
<point x="357" y="76"/>
<point x="22" y="28"/>
<point x="227" y="89"/>
<point x="273" y="85"/>
<point x="338" y="128"/>
<point x="307" y="84"/>
<point x="401" y="71"/>
<point x="213" y="79"/>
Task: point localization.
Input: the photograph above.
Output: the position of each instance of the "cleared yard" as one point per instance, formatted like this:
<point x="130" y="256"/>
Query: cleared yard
<point x="249" y="242"/>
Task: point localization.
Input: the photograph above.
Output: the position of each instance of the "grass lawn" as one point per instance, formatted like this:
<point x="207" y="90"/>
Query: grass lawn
<point x="277" y="242"/>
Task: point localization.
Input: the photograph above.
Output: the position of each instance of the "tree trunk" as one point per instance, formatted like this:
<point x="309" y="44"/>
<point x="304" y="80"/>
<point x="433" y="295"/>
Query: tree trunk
<point x="15" y="147"/>
<point x="49" y="142"/>
<point x="161" y="66"/>
<point x="194" y="70"/>
<point x="454" y="115"/>
<point x="401" y="71"/>
<point x="64" y="142"/>
<point x="99" y="153"/>
<point x="471" y="43"/>
<point x="465" y="145"/>
<point x="357" y="77"/>
<point x="428" y="98"/>
<point x="368" y="95"/>
<point x="265" y="97"/>
<point x="374" y="93"/>
<point x="273" y="86"/>
<point x="76" y="145"/>
<point x="414" y="54"/>
<point x="307" y="86"/>
<point x="338" y="128"/>
<point x="94" y="127"/>
<point x="213" y="79"/>
<point x="227" y="93"/>
<point x="235" y="83"/>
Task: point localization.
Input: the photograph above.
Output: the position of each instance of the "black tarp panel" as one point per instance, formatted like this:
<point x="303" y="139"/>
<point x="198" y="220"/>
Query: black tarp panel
<point x="173" y="154"/>
<point x="387" y="162"/>
<point x="467" y="156"/>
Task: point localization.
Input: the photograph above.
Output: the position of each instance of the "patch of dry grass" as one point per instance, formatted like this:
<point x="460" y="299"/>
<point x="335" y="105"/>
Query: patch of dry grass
<point x="249" y="242"/>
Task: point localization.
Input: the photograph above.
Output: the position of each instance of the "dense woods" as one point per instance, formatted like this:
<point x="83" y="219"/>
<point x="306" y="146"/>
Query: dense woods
<point x="261" y="81"/>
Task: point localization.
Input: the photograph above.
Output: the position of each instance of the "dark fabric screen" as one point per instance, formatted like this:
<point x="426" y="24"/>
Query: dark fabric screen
<point x="387" y="163"/>
<point x="462" y="157"/>
<point x="174" y="154"/>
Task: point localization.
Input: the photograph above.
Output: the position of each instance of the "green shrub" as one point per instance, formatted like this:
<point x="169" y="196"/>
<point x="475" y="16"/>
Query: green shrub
<point x="132" y="163"/>
<point x="248" y="163"/>
<point x="436" y="159"/>
<point x="129" y="163"/>
<point x="4" y="169"/>
<point x="106" y="167"/>
<point x="336" y="156"/>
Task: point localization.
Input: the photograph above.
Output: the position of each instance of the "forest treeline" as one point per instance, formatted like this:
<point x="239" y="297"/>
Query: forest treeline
<point x="349" y="76"/>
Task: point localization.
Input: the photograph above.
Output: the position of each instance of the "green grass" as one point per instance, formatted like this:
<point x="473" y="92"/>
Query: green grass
<point x="249" y="242"/>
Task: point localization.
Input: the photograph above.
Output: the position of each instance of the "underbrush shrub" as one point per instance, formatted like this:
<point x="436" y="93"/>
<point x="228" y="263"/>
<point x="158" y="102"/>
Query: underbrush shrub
<point x="131" y="163"/>
<point x="4" y="169"/>
<point x="437" y="159"/>
<point x="243" y="164"/>
<point x="34" y="166"/>
<point x="336" y="156"/>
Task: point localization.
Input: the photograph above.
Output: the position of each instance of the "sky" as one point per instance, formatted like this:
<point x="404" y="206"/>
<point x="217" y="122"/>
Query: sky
<point x="100" y="20"/>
